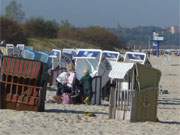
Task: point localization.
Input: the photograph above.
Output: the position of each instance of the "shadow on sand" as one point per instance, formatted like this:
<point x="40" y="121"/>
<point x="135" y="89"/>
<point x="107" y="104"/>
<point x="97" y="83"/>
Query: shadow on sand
<point x="170" y="122"/>
<point x="70" y="111"/>
<point x="169" y="101"/>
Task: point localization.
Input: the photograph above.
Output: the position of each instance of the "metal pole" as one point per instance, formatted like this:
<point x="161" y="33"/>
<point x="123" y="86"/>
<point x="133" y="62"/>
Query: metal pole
<point x="158" y="48"/>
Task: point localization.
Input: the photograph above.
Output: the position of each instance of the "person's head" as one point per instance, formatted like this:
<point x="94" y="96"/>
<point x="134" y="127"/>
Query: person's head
<point x="70" y="67"/>
<point x="85" y="71"/>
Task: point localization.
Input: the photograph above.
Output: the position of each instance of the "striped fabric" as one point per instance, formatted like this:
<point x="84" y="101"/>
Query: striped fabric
<point x="21" y="67"/>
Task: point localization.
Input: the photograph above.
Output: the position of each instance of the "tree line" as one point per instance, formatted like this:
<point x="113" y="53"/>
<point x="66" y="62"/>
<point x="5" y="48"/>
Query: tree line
<point x="15" y="29"/>
<point x="15" y="32"/>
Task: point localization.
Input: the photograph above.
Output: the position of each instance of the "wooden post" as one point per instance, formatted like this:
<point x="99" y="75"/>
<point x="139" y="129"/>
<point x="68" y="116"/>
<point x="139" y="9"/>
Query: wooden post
<point x="112" y="102"/>
<point x="1" y="96"/>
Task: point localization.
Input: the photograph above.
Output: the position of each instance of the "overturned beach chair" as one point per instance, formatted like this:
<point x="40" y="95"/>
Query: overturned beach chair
<point x="23" y="84"/>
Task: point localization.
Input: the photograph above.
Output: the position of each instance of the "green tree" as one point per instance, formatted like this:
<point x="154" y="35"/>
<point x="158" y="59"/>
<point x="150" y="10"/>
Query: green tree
<point x="67" y="30"/>
<point x="65" y="24"/>
<point x="100" y="36"/>
<point x="14" y="11"/>
<point x="11" y="31"/>
<point x="96" y="35"/>
<point x="38" y="27"/>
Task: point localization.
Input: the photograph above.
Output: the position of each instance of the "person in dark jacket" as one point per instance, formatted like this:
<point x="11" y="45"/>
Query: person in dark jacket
<point x="86" y="82"/>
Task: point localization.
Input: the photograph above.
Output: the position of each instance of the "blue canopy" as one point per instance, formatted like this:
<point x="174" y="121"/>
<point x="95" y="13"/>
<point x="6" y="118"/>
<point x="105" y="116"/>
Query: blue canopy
<point x="136" y="56"/>
<point x="90" y="54"/>
<point x="110" y="55"/>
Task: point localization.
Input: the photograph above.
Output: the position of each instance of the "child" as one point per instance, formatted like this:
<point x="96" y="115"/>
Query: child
<point x="86" y="82"/>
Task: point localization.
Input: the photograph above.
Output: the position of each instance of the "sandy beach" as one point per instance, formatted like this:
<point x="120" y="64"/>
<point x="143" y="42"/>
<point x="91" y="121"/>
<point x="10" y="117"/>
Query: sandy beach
<point x="61" y="119"/>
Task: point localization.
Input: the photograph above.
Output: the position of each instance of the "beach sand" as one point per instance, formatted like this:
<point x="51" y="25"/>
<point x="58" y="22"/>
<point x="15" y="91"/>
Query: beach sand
<point x="61" y="119"/>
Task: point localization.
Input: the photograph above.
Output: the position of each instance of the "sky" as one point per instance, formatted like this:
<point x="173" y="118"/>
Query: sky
<point x="108" y="13"/>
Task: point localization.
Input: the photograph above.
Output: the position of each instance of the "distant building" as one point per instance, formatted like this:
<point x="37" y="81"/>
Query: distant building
<point x="174" y="29"/>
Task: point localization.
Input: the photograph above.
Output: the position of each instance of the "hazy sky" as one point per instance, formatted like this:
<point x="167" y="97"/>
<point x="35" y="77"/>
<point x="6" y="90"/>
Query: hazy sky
<point x="105" y="12"/>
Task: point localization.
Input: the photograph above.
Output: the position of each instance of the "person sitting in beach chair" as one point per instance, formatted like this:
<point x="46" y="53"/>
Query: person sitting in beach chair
<point x="86" y="82"/>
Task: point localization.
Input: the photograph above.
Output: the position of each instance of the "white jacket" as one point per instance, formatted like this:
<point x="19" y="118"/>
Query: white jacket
<point x="62" y="78"/>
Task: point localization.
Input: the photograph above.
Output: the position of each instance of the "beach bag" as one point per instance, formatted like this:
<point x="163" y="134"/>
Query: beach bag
<point x="66" y="98"/>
